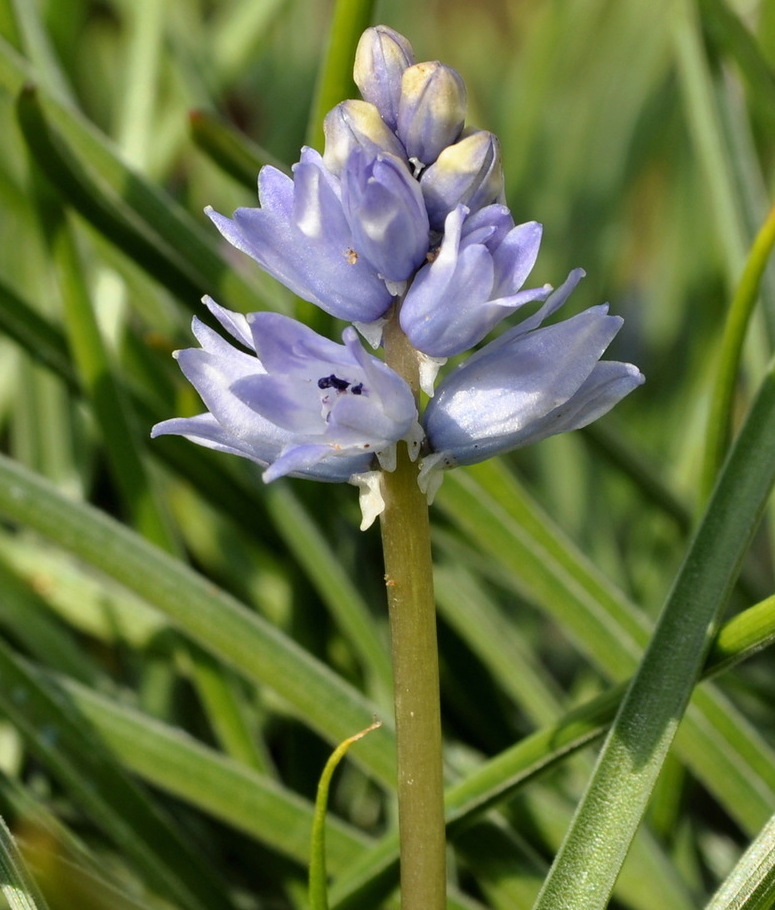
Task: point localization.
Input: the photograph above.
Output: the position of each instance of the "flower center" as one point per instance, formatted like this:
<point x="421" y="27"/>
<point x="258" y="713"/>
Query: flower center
<point x="340" y="385"/>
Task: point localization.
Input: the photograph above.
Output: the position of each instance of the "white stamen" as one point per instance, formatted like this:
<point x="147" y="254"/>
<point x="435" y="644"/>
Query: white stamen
<point x="429" y="369"/>
<point x="370" y="496"/>
<point x="372" y="331"/>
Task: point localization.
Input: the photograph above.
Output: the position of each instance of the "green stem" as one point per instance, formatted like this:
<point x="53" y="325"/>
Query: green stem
<point x="409" y="581"/>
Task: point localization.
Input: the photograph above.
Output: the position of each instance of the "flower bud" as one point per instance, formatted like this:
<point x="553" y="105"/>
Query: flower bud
<point x="431" y="111"/>
<point x="356" y="124"/>
<point x="468" y="173"/>
<point x="380" y="59"/>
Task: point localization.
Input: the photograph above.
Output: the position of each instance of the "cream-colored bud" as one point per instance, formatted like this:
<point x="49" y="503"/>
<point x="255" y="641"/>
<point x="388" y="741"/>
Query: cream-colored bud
<point x="380" y="59"/>
<point x="354" y="124"/>
<point x="431" y="111"/>
<point x="468" y="172"/>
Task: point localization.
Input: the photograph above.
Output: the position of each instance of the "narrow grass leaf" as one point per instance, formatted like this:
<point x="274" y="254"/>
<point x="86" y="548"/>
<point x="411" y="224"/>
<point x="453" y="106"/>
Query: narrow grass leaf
<point x="751" y="884"/>
<point x="18" y="887"/>
<point x="722" y="397"/>
<point x="318" y="876"/>
<point x="304" y="538"/>
<point x="589" y="861"/>
<point x="208" y="615"/>
<point x="335" y="78"/>
<point x="61" y="738"/>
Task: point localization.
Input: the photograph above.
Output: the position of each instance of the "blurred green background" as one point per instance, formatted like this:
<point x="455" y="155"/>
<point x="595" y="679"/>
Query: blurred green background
<point x="642" y="134"/>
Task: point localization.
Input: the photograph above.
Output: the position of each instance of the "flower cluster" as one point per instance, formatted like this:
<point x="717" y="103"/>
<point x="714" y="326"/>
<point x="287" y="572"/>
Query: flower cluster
<point x="401" y="217"/>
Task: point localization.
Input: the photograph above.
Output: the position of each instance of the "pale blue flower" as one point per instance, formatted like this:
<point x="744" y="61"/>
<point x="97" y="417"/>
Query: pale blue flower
<point x="532" y="382"/>
<point x="328" y="253"/>
<point x="472" y="282"/>
<point x="294" y="402"/>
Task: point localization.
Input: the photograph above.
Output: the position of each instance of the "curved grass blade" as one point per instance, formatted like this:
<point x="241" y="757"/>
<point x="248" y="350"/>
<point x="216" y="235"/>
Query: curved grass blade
<point x="318" y="876"/>
<point x="584" y="872"/>
<point x="746" y="294"/>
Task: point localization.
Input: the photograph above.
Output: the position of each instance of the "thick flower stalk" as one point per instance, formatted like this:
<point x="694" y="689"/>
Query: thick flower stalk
<point x="399" y="227"/>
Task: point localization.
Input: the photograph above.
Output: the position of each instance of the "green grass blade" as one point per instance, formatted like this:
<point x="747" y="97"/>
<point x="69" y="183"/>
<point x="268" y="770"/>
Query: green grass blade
<point x="140" y="80"/>
<point x="501" y="776"/>
<point x="61" y="738"/>
<point x="751" y="884"/>
<point x="589" y="861"/>
<point x="335" y="80"/>
<point x="318" y="875"/>
<point x="17" y="886"/>
<point x="226" y="708"/>
<point x="107" y="399"/>
<point x="38" y="47"/>
<point x="26" y="616"/>
<point x="707" y="134"/>
<point x="304" y="538"/>
<point x="732" y="36"/>
<point x="725" y="385"/>
<point x="209" y="616"/>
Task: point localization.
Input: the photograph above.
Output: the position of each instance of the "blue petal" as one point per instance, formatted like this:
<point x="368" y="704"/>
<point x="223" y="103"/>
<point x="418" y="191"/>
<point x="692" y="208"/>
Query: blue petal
<point x="286" y="346"/>
<point x="443" y="313"/>
<point x="473" y="283"/>
<point x="515" y="257"/>
<point x="387" y="214"/>
<point x="204" y="430"/>
<point x="493" y="401"/>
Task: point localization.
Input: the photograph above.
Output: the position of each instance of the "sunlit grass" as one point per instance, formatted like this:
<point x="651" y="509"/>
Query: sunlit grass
<point x="641" y="134"/>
